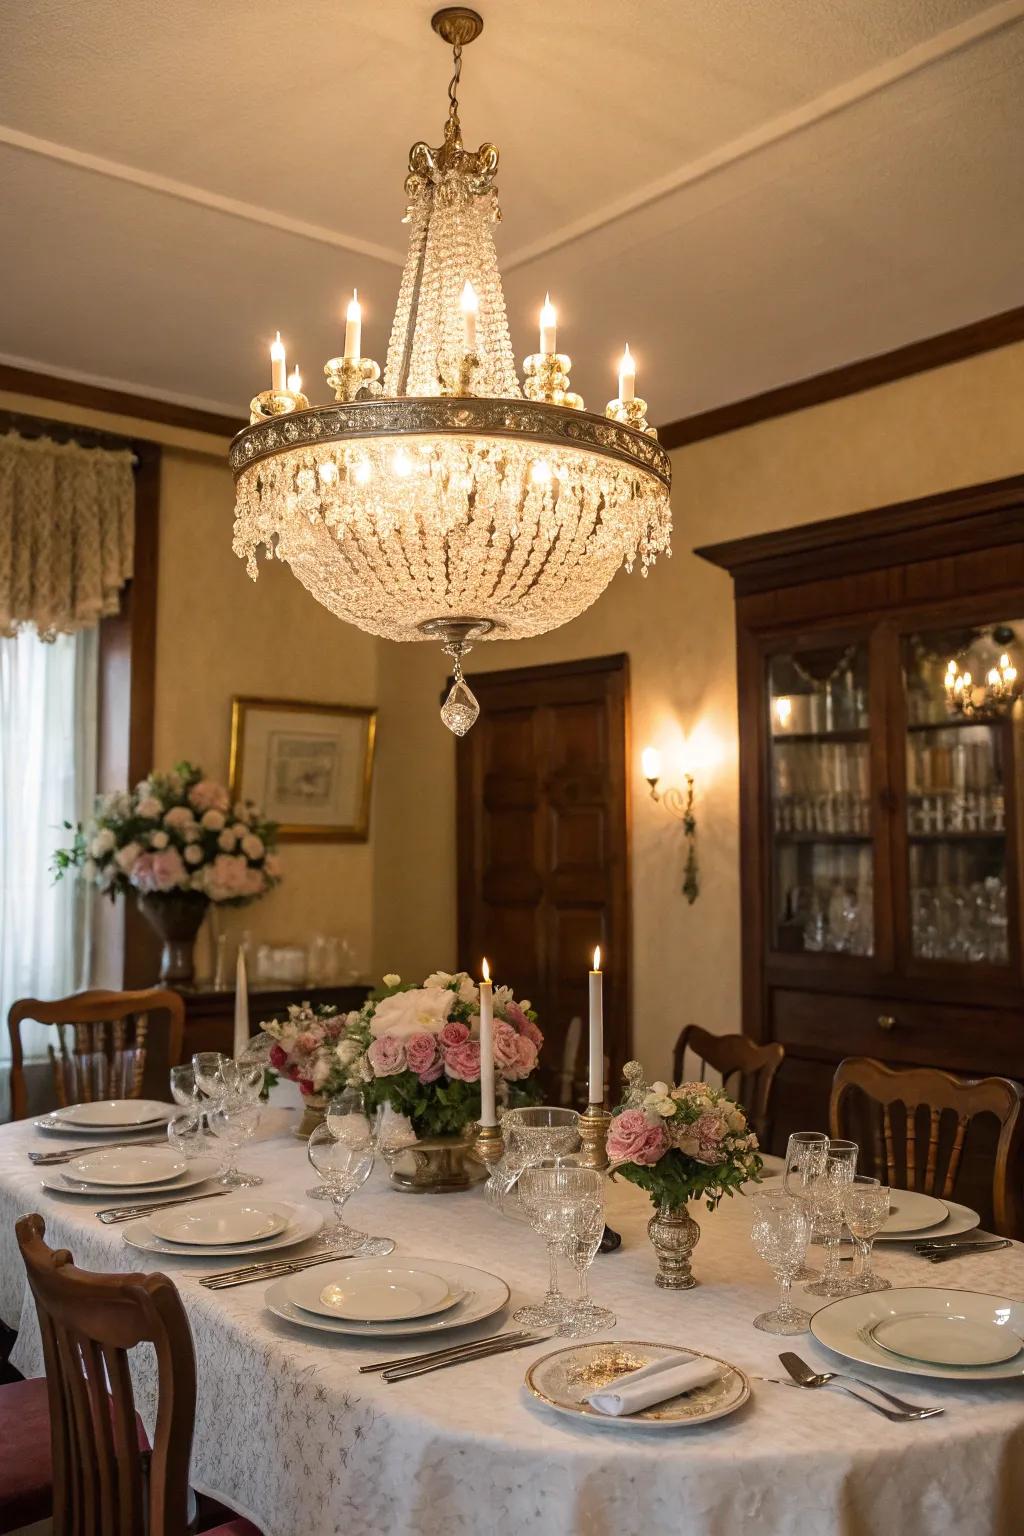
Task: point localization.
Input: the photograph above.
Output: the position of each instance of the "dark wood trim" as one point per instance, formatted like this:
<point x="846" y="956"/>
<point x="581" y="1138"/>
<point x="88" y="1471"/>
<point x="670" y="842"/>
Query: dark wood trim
<point x="116" y="402"/>
<point x="985" y="335"/>
<point x="930" y="527"/>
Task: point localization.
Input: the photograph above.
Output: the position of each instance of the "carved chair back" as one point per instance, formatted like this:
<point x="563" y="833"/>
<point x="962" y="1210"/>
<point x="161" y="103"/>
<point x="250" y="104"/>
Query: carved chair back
<point x="747" y="1069"/>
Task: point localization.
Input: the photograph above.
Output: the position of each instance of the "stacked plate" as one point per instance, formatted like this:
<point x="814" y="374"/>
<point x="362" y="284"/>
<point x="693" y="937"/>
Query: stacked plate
<point x="377" y="1298"/>
<point x="225" y="1225"/>
<point x="114" y="1171"/>
<point x="956" y="1335"/>
<point x="107" y="1117"/>
<point x="917" y="1217"/>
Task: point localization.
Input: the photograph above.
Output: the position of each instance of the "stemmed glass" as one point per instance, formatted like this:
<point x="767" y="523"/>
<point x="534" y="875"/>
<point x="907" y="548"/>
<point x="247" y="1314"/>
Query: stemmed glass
<point x="184" y="1090"/>
<point x="581" y="1192"/>
<point x="206" y="1067"/>
<point x="342" y="1152"/>
<point x="187" y="1134"/>
<point x="544" y="1208"/>
<point x="235" y="1120"/>
<point x="866" y="1205"/>
<point x="531" y="1136"/>
<point x="780" y="1233"/>
<point x="828" y="1195"/>
<point x="806" y="1152"/>
<point x="242" y="1078"/>
<point x="348" y="1101"/>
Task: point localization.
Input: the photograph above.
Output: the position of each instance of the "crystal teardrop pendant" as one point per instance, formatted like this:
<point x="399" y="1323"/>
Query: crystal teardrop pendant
<point x="460" y="709"/>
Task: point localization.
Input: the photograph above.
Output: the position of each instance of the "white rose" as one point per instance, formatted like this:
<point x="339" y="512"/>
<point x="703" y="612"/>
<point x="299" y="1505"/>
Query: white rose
<point x="191" y="833"/>
<point x="660" y="1103"/>
<point x="240" y="811"/>
<point x="252" y="846"/>
<point x="159" y="840"/>
<point x="735" y="1119"/>
<point x="213" y="821"/>
<point x="149" y="808"/>
<point x="125" y="857"/>
<point x="660" y="1090"/>
<point x="193" y="854"/>
<point x="227" y="840"/>
<point x="347" y="1051"/>
<point x="102" y="843"/>
<point x="424" y="1010"/>
<point x="391" y="980"/>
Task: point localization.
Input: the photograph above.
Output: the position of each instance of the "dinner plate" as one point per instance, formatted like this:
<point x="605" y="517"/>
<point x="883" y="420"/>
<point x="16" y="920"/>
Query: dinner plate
<point x="485" y="1295"/>
<point x="960" y="1219"/>
<point x="50" y="1123"/>
<point x="366" y="1291"/>
<point x="910" y="1212"/>
<point x="845" y="1326"/>
<point x="113" y="1114"/>
<point x="564" y="1378"/>
<point x="200" y="1168"/>
<point x="948" y="1339"/>
<point x="302" y="1224"/>
<point x="221" y="1223"/>
<point x="125" y="1167"/>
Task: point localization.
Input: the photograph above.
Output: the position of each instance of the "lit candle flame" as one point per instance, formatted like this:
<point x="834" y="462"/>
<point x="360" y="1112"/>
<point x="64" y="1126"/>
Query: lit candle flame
<point x="469" y="301"/>
<point x="295" y="381"/>
<point x="486" y="970"/>
<point x="354" y="311"/>
<point x="597" y="957"/>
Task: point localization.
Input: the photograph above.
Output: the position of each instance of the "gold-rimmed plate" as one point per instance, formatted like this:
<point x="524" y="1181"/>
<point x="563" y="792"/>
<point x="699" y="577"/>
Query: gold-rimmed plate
<point x="565" y="1378"/>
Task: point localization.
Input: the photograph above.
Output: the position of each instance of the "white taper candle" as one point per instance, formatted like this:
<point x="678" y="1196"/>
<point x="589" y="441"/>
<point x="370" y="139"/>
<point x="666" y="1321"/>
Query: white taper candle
<point x="596" y="1076"/>
<point x="488" y="1109"/>
<point x="241" y="1005"/>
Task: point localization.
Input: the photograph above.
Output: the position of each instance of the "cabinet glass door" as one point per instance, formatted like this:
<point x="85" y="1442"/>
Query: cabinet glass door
<point x="961" y="691"/>
<point x="822" y="864"/>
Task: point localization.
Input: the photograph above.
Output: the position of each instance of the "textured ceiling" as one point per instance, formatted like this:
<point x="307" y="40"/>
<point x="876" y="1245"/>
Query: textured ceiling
<point x="749" y="193"/>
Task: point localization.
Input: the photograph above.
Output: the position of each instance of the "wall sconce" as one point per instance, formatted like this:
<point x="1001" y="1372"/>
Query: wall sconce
<point x="680" y="803"/>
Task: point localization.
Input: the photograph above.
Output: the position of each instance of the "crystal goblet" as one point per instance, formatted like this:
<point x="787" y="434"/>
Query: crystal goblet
<point x="780" y="1233"/>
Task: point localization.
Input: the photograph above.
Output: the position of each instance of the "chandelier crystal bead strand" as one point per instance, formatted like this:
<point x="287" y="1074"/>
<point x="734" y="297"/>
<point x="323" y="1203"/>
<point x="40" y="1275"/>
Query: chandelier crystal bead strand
<point x="443" y="501"/>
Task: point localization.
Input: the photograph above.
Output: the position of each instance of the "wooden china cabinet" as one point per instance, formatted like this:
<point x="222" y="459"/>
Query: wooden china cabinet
<point x="882" y="828"/>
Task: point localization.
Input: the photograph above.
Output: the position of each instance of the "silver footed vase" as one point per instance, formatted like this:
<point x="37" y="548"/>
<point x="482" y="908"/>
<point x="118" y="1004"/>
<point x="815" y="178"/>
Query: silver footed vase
<point x="674" y="1235"/>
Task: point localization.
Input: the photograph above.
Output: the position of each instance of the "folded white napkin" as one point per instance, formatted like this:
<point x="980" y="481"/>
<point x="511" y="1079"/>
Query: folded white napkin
<point x="653" y="1383"/>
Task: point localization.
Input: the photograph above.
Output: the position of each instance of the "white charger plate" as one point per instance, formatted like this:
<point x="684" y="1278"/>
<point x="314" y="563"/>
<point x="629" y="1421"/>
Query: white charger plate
<point x="845" y="1326"/>
<point x="222" y="1223"/>
<point x="62" y="1128"/>
<point x="201" y="1168"/>
<point x="485" y="1295"/>
<point x="302" y="1224"/>
<point x="370" y="1292"/>
<point x="126" y="1167"/>
<point x="113" y="1114"/>
<point x="910" y="1213"/>
<point x="946" y="1339"/>
<point x="960" y="1219"/>
<point x="562" y="1379"/>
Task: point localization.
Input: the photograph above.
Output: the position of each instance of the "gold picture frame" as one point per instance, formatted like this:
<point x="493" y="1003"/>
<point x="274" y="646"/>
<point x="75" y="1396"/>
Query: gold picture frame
<point x="311" y="775"/>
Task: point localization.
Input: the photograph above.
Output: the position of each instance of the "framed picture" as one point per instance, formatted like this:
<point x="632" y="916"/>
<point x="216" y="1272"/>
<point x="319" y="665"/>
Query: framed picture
<point x="309" y="766"/>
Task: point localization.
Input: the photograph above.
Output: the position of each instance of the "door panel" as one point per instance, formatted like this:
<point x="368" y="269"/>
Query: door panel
<point x="543" y="842"/>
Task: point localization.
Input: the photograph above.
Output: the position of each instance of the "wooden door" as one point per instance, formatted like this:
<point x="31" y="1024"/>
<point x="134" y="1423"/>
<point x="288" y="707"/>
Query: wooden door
<point x="543" y="843"/>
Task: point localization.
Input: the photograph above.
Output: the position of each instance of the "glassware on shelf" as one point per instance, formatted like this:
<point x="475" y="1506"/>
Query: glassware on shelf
<point x="866" y="1206"/>
<point x="828" y="1197"/>
<point x="780" y="1232"/>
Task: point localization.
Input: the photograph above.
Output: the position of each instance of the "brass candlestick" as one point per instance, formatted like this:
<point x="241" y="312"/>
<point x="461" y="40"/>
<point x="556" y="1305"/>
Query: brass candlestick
<point x="489" y="1145"/>
<point x="456" y="373"/>
<point x="546" y="377"/>
<point x="632" y="413"/>
<point x="594" y="1123"/>
<point x="351" y="377"/>
<point x="275" y="402"/>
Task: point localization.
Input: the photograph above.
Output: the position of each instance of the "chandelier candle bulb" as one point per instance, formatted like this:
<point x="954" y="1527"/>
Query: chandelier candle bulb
<point x="488" y="1110"/>
<point x="278" y="367"/>
<point x="627" y="375"/>
<point x="353" y="328"/>
<point x="295" y="381"/>
<point x="596" y="1074"/>
<point x="470" y="309"/>
<point x="650" y="761"/>
<point x="548" y="323"/>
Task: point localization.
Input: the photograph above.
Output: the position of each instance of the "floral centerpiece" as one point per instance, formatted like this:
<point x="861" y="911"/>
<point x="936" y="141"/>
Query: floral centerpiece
<point x="176" y="841"/>
<point x="688" y="1142"/>
<point x="415" y="1050"/>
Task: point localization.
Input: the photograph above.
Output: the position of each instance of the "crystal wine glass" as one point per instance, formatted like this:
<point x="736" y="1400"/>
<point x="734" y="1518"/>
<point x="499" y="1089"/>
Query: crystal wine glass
<point x="805" y="1162"/>
<point x="780" y="1233"/>
<point x="544" y="1208"/>
<point x="184" y="1090"/>
<point x="206" y="1066"/>
<point x="531" y="1135"/>
<point x="235" y="1120"/>
<point x="242" y="1078"/>
<point x="349" y="1101"/>
<point x="866" y="1205"/>
<point x="827" y="1199"/>
<point x="342" y="1152"/>
<point x="187" y="1134"/>
<point x="582" y="1192"/>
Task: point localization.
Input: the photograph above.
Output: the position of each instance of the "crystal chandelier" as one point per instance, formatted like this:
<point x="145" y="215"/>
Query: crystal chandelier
<point x="441" y="503"/>
<point x="996" y="696"/>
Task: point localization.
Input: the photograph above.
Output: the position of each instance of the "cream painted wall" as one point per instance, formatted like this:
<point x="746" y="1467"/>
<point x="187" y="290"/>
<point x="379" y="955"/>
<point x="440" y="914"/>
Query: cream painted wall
<point x="953" y="426"/>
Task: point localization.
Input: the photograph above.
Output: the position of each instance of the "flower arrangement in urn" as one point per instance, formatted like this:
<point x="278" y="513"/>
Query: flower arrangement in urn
<point x="176" y="841"/>
<point x="688" y="1142"/>
<point x="415" y="1050"/>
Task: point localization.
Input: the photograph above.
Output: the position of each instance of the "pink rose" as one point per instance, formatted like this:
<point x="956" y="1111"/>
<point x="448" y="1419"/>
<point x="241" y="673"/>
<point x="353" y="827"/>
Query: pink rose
<point x="421" y="1055"/>
<point x="506" y="1047"/>
<point x="462" y="1061"/>
<point x="386" y="1056"/>
<point x="158" y="871"/>
<point x="709" y="1132"/>
<point x="433" y="1072"/>
<point x="453" y="1033"/>
<point x="516" y="1017"/>
<point x="208" y="795"/>
<point x="632" y="1140"/>
<point x="278" y="1056"/>
<point x="527" y="1055"/>
<point x="307" y="1042"/>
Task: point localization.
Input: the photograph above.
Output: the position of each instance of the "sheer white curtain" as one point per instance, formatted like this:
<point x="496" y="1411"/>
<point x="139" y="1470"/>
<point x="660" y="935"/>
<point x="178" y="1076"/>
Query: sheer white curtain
<point x="48" y="710"/>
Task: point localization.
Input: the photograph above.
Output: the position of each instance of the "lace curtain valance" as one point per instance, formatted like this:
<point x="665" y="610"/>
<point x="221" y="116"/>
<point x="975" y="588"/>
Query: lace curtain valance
<point x="67" y="525"/>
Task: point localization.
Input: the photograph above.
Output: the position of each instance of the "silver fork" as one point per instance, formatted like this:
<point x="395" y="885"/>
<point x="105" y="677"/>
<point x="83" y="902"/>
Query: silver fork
<point x="804" y="1377"/>
<point x="268" y="1269"/>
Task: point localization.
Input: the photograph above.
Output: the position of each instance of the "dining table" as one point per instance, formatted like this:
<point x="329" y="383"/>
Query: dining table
<point x="290" y="1434"/>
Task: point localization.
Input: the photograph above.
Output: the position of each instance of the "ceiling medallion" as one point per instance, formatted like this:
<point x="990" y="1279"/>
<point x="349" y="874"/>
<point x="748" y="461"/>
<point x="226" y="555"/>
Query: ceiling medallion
<point x="439" y="503"/>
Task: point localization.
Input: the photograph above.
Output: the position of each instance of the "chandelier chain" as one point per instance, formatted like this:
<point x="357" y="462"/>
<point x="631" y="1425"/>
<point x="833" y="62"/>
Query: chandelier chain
<point x="454" y="125"/>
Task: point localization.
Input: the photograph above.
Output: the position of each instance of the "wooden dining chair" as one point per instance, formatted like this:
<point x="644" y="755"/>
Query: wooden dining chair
<point x="104" y="1482"/>
<point x="102" y="1041"/>
<point x="747" y="1069"/>
<point x="916" y="1091"/>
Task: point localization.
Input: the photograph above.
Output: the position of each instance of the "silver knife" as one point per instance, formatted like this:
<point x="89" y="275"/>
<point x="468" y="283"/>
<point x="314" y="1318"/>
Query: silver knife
<point x="267" y="1269"/>
<point x="436" y="1354"/>
<point x="115" y="1213"/>
<point x="403" y="1373"/>
<point x="958" y="1253"/>
<point x="53" y="1159"/>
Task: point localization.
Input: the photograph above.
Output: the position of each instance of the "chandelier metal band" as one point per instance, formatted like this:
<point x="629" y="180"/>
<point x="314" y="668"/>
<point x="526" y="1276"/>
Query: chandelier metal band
<point x="554" y="426"/>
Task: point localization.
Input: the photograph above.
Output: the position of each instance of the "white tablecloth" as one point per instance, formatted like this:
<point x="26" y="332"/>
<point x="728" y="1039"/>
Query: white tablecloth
<point x="289" y="1433"/>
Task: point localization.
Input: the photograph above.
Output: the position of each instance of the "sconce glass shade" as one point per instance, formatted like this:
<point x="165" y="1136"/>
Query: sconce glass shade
<point x="650" y="760"/>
